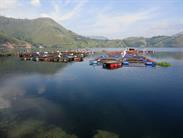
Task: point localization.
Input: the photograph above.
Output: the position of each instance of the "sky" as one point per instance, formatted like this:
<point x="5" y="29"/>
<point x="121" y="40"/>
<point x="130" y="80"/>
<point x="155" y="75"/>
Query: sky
<point x="115" y="19"/>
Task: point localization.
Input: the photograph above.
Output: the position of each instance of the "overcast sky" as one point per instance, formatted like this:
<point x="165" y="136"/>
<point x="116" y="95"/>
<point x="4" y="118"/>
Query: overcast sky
<point x="109" y="18"/>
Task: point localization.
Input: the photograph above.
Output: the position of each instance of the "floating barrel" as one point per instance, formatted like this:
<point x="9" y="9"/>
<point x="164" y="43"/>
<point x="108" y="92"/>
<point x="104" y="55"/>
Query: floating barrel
<point x="153" y="64"/>
<point x="93" y="62"/>
<point x="126" y="63"/>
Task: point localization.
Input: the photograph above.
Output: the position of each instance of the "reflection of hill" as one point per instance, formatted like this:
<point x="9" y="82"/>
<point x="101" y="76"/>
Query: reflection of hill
<point x="14" y="65"/>
<point x="173" y="55"/>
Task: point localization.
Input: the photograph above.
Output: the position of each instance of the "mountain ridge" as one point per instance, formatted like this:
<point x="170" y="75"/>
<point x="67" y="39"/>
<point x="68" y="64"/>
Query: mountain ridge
<point x="48" y="33"/>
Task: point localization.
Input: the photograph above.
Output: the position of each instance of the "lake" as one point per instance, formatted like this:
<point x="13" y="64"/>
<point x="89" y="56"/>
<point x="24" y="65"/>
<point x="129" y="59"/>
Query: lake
<point x="76" y="99"/>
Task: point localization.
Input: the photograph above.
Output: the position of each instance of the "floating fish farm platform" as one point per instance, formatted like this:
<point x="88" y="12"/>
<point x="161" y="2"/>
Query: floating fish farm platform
<point x="127" y="58"/>
<point x="65" y="56"/>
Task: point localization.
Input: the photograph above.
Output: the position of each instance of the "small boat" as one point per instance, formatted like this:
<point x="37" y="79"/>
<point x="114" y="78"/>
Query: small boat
<point x="148" y="63"/>
<point x="112" y="64"/>
<point x="125" y="63"/>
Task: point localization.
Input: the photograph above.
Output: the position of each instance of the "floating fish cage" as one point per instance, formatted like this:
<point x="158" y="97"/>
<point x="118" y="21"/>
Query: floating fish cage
<point x="66" y="56"/>
<point x="136" y="52"/>
<point x="110" y="59"/>
<point x="139" y="64"/>
<point x="116" y="59"/>
<point x="137" y="61"/>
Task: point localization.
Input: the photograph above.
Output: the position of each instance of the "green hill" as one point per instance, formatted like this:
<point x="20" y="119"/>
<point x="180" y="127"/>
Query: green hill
<point x="156" y="41"/>
<point x="166" y="41"/>
<point x="11" y="42"/>
<point x="44" y="31"/>
<point x="135" y="42"/>
<point x="48" y="33"/>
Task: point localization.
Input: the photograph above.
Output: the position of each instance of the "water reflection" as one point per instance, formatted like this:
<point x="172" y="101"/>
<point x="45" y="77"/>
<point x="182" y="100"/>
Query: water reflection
<point x="170" y="55"/>
<point x="34" y="129"/>
<point x="105" y="134"/>
<point x="14" y="65"/>
<point x="59" y="100"/>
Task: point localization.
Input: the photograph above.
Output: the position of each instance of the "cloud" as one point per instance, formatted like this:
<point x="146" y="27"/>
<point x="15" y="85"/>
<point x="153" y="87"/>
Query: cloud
<point x="93" y="18"/>
<point x="111" y="24"/>
<point x="7" y="4"/>
<point x="10" y="90"/>
<point x="67" y="2"/>
<point x="35" y="2"/>
<point x="59" y="16"/>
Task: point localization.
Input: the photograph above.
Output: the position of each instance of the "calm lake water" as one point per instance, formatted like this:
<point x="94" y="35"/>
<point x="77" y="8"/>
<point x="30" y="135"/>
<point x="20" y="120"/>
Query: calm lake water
<point x="133" y="102"/>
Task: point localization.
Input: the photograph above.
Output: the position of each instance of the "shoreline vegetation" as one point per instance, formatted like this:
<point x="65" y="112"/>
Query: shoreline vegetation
<point x="163" y="64"/>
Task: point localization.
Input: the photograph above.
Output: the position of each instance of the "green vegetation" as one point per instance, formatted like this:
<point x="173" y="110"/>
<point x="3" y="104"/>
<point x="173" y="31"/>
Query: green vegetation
<point x="4" y="38"/>
<point x="164" y="64"/>
<point x="166" y="41"/>
<point x="135" y="42"/>
<point x="105" y="134"/>
<point x="47" y="33"/>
